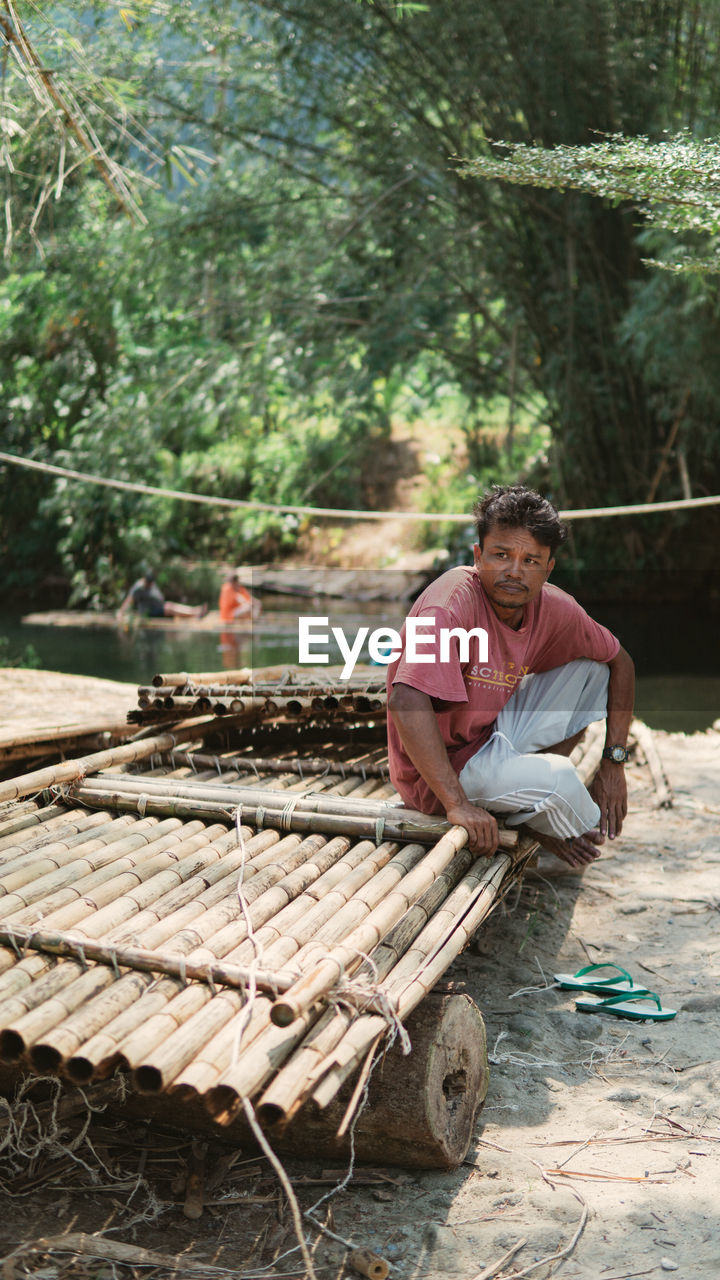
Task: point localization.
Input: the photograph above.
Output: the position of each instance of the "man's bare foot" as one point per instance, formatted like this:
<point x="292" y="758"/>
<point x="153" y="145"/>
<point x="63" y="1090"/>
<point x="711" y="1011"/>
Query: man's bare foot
<point x="579" y="851"/>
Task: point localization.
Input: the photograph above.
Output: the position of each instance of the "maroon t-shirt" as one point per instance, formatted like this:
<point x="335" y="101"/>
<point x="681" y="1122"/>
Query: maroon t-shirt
<point x="468" y="695"/>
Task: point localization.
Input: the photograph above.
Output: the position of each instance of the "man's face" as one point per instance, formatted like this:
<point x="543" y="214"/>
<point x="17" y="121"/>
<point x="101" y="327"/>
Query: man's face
<point x="513" y="567"/>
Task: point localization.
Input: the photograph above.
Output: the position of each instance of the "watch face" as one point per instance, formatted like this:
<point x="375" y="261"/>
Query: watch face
<point x="618" y="754"/>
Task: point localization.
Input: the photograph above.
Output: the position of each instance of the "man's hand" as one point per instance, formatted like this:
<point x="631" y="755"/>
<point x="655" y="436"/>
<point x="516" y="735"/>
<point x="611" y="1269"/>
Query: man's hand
<point x="480" y="825"/>
<point x="609" y="791"/>
<point x="417" y="725"/>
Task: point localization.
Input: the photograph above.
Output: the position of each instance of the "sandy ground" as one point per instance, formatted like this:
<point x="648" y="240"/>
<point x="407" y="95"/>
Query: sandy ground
<point x="595" y="1129"/>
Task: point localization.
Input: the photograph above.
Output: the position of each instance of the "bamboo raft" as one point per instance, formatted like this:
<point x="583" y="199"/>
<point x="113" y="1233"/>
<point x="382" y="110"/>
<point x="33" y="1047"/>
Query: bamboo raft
<point x="224" y="917"/>
<point x="277" y="623"/>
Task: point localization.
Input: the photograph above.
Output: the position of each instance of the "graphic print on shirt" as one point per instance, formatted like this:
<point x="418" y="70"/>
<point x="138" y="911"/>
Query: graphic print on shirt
<point x="489" y="677"/>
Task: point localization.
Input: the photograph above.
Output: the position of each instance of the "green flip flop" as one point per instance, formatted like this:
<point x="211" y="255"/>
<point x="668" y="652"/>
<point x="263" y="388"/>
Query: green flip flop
<point x="618" y="982"/>
<point x="622" y="1006"/>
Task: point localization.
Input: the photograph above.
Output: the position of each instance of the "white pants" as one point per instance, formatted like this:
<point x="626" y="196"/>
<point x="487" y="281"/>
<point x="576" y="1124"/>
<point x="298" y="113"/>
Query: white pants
<point x="544" y="791"/>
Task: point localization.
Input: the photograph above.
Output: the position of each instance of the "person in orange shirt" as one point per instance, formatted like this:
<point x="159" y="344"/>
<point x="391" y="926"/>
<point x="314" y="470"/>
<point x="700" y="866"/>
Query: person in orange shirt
<point x="236" y="601"/>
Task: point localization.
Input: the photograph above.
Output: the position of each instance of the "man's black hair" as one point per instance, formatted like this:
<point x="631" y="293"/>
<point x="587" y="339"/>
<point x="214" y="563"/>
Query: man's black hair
<point x="516" y="507"/>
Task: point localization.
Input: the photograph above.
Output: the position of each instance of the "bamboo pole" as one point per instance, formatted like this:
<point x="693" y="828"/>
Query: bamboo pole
<point x="314" y="767"/>
<point x="57" y="823"/>
<point x="279" y="819"/>
<point x="286" y="939"/>
<point x="99" y="1030"/>
<point x="176" y="1050"/>
<point x="252" y="1071"/>
<point x="179" y="846"/>
<point x="438" y="945"/>
<point x="43" y="868"/>
<point x="296" y="854"/>
<point x="278" y="943"/>
<point x="70" y="770"/>
<point x="292" y="1083"/>
<point x="116" y="956"/>
<point x="97" y="1056"/>
<point x="275" y="1044"/>
<point x="110" y="858"/>
<point x="16" y="818"/>
<point x="346" y="956"/>
<point x="644" y="737"/>
<point x="76" y="993"/>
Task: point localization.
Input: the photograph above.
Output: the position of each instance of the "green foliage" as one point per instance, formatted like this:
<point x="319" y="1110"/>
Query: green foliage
<point x="304" y="240"/>
<point x="25" y="657"/>
<point x="674" y="184"/>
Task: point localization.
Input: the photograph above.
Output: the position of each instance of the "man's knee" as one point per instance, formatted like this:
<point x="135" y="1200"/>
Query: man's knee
<point x="566" y="779"/>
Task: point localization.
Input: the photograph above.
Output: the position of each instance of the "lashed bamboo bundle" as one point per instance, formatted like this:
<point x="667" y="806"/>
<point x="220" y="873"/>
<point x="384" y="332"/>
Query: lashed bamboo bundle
<point x="241" y="675"/>
<point x="313" y="767"/>
<point x="273" y="806"/>
<point x="437" y="947"/>
<point x="362" y="861"/>
<point x="267" y="710"/>
<point x="248" y="1002"/>
<point x="194" y="854"/>
<point x="272" y="1044"/>
<point x="289" y="695"/>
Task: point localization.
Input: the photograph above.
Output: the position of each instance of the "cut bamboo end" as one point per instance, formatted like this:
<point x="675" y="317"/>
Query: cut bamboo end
<point x="370" y="1264"/>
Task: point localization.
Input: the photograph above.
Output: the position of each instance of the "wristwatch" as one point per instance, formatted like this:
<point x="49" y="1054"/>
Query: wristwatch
<point x="620" y="755"/>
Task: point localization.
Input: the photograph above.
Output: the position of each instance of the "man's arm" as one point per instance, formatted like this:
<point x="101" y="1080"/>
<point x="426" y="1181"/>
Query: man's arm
<point x="417" y="725"/>
<point x="609" y="787"/>
<point x="125" y="604"/>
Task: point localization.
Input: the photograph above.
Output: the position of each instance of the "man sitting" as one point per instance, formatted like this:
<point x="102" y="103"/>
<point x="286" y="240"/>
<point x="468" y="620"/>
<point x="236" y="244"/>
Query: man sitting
<point x="148" y="600"/>
<point x="236" y="602"/>
<point x="467" y="736"/>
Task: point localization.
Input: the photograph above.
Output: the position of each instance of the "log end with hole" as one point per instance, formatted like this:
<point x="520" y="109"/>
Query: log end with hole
<point x="421" y="1108"/>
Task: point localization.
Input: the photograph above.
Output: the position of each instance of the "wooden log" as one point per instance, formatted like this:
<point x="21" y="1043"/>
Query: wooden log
<point x="421" y="1108"/>
<point x="420" y="1112"/>
<point x="367" y="1263"/>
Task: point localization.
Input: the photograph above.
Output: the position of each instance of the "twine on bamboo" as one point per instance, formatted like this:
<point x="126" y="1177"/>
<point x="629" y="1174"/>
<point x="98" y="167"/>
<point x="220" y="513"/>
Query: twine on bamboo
<point x="287" y="813"/>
